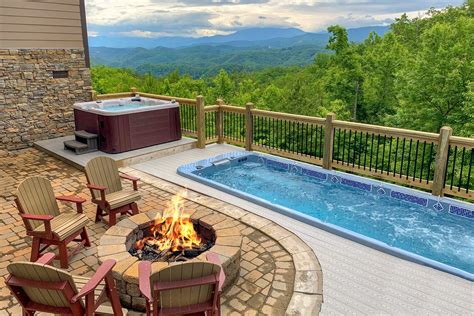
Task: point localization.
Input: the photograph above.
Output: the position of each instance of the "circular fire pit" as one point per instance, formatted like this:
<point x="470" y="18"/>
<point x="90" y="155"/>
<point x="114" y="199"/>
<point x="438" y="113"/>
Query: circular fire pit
<point x="120" y="243"/>
<point x="152" y="244"/>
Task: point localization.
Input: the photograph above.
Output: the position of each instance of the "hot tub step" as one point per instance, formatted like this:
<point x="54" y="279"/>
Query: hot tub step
<point x="85" y="135"/>
<point x="78" y="147"/>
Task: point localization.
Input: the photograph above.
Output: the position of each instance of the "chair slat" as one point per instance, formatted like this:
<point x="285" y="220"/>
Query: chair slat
<point x="36" y="196"/>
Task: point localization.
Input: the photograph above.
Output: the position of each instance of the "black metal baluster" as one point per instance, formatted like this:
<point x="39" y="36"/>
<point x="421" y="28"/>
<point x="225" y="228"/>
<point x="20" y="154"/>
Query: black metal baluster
<point x="422" y="161"/>
<point x="396" y="157"/>
<point x="365" y="148"/>
<point x="338" y="145"/>
<point x="360" y="149"/>
<point x="343" y="147"/>
<point x="354" y="149"/>
<point x="371" y="152"/>
<point x="349" y="148"/>
<point x="429" y="163"/>
<point x="468" y="183"/>
<point x="377" y="153"/>
<point x="462" y="167"/>
<point x="297" y="137"/>
<point x="454" y="165"/>
<point x="403" y="158"/>
<point x="306" y="142"/>
<point x="416" y="159"/>
<point x="383" y="152"/>
<point x="409" y="159"/>
<point x="389" y="155"/>
<point x="321" y="141"/>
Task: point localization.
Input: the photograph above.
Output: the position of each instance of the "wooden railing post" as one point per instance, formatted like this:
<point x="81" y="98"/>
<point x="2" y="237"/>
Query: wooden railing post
<point x="93" y="95"/>
<point x="200" y="122"/>
<point x="248" y="126"/>
<point x="441" y="160"/>
<point x="133" y="90"/>
<point x="328" y="140"/>
<point x="220" y="122"/>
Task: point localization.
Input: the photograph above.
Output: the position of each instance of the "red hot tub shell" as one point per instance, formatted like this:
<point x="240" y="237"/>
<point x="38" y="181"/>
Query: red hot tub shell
<point x="119" y="132"/>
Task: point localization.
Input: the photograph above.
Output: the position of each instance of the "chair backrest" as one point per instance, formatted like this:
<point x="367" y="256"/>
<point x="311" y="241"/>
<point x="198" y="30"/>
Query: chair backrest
<point x="35" y="195"/>
<point x="35" y="282"/>
<point x="103" y="171"/>
<point x="190" y="293"/>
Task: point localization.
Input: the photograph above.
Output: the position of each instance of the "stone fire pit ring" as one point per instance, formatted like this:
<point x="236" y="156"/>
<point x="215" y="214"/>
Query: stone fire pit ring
<point x="117" y="241"/>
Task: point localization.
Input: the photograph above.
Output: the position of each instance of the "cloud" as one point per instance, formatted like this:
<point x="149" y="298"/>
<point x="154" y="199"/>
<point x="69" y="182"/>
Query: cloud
<point x="157" y="18"/>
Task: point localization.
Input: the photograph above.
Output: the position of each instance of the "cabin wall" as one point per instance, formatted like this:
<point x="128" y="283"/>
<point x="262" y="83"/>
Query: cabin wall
<point x="43" y="69"/>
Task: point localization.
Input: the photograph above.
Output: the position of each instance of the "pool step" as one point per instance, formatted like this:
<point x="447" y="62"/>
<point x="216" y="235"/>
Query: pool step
<point x="85" y="143"/>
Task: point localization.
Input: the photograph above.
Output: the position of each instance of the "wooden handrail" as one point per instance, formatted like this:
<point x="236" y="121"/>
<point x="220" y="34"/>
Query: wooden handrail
<point x="211" y="108"/>
<point x="388" y="131"/>
<point x="289" y="117"/>
<point x="461" y="141"/>
<point x="169" y="98"/>
<point x="230" y="108"/>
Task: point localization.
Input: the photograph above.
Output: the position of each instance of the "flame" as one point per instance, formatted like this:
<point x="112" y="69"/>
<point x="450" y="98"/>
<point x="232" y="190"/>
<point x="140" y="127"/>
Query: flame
<point x="174" y="230"/>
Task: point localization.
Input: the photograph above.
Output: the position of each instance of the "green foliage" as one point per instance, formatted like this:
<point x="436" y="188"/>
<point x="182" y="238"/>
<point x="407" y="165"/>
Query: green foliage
<point x="420" y="75"/>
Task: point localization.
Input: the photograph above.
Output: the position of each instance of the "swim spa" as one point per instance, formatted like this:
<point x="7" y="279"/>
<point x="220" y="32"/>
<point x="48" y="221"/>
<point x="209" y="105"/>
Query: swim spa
<point x="410" y="224"/>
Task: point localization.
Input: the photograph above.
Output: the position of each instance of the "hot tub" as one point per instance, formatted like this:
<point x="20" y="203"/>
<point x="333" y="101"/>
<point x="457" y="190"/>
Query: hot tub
<point x="129" y="123"/>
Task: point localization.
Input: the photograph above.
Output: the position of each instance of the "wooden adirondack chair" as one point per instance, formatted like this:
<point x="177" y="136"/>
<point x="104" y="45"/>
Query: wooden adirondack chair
<point x="187" y="288"/>
<point x="40" y="212"/>
<point x="103" y="180"/>
<point x="39" y="287"/>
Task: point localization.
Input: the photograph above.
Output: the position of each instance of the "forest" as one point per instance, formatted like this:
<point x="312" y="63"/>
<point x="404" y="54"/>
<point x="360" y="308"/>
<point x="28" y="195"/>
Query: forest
<point x="419" y="75"/>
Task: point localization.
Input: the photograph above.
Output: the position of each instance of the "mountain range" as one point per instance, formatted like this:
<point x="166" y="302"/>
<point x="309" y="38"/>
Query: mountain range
<point x="244" y="38"/>
<point x="245" y="50"/>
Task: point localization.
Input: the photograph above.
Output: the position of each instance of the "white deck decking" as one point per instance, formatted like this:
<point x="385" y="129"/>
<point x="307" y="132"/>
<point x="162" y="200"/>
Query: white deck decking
<point x="357" y="279"/>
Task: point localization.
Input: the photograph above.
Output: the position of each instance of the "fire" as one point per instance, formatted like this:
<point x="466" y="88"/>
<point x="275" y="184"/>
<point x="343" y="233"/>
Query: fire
<point x="174" y="230"/>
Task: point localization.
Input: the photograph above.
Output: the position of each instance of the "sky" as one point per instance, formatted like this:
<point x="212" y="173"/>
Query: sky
<point x="197" y="18"/>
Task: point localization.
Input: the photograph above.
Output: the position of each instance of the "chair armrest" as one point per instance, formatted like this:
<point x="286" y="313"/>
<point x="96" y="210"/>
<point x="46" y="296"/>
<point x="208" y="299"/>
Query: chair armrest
<point x="144" y="271"/>
<point x="104" y="269"/>
<point x="73" y="199"/>
<point x="131" y="178"/>
<point x="46" y="219"/>
<point x="47" y="258"/>
<point x="214" y="258"/>
<point x="98" y="188"/>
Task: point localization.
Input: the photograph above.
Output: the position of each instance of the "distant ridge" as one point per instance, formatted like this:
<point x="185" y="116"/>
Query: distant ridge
<point x="258" y="37"/>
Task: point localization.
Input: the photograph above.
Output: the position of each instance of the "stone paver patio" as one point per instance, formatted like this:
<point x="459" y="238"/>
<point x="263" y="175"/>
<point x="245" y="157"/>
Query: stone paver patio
<point x="278" y="273"/>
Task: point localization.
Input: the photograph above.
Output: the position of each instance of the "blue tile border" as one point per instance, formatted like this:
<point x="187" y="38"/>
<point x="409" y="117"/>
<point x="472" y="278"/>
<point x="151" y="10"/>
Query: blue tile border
<point x="314" y="174"/>
<point x="459" y="211"/>
<point x="356" y="184"/>
<point x="409" y="198"/>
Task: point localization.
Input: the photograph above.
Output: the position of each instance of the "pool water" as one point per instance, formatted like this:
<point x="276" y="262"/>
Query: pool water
<point x="438" y="236"/>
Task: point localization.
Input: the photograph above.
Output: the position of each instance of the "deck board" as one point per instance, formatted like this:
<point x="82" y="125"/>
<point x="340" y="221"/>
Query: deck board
<point x="357" y="279"/>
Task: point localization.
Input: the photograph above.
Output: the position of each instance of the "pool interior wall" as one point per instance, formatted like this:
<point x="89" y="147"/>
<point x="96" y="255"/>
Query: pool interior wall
<point x="445" y="206"/>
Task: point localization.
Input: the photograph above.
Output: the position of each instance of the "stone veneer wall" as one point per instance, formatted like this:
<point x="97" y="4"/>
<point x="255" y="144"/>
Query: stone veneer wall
<point x="33" y="104"/>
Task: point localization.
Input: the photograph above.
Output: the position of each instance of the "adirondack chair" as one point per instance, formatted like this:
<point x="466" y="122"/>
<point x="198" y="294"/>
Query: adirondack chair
<point x="39" y="287"/>
<point x="40" y="213"/>
<point x="187" y="288"/>
<point x="103" y="180"/>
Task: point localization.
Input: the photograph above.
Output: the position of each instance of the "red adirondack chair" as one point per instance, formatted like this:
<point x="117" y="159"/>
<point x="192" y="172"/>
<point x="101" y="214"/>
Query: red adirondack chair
<point x="46" y="224"/>
<point x="187" y="288"/>
<point x="39" y="287"/>
<point x="103" y="180"/>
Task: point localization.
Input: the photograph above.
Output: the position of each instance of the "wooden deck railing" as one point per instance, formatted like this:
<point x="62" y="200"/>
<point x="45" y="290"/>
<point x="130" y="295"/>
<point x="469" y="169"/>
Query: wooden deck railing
<point x="438" y="162"/>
